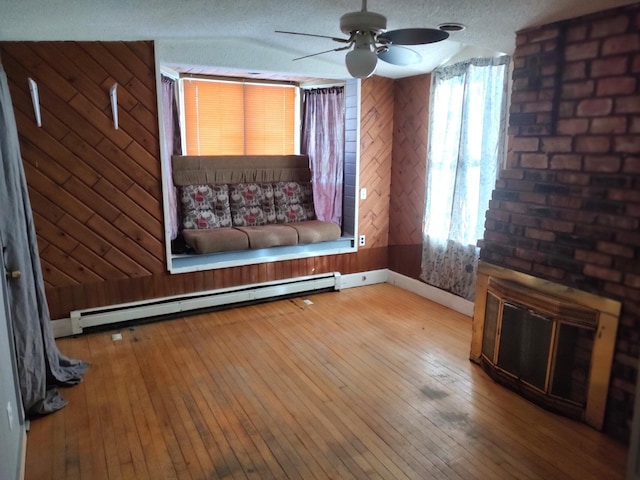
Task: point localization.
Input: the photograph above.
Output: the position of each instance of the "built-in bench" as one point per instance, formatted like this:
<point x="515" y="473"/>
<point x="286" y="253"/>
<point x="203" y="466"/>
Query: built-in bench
<point x="236" y="203"/>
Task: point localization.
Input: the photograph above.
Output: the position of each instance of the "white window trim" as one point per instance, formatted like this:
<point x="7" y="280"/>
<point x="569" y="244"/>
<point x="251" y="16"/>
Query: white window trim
<point x="181" y="111"/>
<point x="175" y="263"/>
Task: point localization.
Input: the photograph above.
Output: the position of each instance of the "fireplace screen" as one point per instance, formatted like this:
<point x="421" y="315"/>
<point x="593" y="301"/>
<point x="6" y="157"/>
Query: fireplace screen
<point x="550" y="343"/>
<point x="524" y="345"/>
<point x="574" y="346"/>
<point x="546" y="351"/>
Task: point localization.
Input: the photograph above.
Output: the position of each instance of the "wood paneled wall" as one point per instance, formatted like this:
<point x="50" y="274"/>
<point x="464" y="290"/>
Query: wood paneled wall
<point x="408" y="174"/>
<point x="96" y="191"/>
<point x="376" y="141"/>
<point x="92" y="187"/>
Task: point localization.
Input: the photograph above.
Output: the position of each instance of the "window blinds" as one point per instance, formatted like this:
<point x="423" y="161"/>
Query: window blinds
<point x="235" y="118"/>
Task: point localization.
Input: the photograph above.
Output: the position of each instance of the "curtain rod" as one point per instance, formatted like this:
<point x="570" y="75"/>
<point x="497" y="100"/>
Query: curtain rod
<point x="323" y="85"/>
<point x="199" y="76"/>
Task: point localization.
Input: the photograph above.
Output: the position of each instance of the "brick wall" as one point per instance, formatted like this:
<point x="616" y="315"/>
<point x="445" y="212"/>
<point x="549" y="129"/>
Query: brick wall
<point x="567" y="208"/>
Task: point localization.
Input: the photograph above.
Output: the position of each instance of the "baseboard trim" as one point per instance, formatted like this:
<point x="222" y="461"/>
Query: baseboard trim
<point x="361" y="279"/>
<point x="434" y="294"/>
<point x="64" y="327"/>
<point x="180" y="304"/>
<point x="23" y="454"/>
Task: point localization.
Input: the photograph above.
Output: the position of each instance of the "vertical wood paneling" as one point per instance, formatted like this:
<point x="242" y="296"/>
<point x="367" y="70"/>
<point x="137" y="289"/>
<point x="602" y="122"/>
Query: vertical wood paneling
<point x="138" y="288"/>
<point x="408" y="174"/>
<point x="96" y="191"/>
<point x="406" y="260"/>
<point x="349" y="219"/>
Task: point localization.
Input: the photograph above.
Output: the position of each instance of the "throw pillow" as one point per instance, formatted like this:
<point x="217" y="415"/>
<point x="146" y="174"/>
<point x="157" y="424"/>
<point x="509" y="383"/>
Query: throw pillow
<point x="204" y="206"/>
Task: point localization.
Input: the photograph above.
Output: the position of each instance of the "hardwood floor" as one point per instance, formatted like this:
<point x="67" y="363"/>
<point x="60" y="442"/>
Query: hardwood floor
<point x="371" y="382"/>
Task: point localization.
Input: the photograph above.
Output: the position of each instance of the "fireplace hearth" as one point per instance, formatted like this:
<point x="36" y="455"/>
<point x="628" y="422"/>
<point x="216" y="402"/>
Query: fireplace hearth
<point x="552" y="344"/>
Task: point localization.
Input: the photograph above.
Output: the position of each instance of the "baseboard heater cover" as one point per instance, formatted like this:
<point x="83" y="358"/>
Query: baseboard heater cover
<point x="94" y="317"/>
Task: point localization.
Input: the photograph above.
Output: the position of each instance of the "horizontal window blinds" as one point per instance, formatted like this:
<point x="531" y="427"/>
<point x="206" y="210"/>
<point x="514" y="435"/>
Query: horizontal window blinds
<point x="234" y="118"/>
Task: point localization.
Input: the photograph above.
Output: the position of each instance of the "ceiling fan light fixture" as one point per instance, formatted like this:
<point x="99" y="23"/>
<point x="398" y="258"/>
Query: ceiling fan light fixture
<point x="361" y="62"/>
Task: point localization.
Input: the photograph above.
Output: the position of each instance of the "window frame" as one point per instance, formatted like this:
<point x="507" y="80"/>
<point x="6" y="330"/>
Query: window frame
<point x="475" y="162"/>
<point x="211" y="78"/>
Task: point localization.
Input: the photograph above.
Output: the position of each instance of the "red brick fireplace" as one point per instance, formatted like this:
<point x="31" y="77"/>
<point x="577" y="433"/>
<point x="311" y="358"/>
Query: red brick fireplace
<point x="567" y="207"/>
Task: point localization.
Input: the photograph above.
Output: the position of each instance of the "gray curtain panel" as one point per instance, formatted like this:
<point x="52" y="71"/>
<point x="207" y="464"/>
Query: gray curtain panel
<point x="41" y="366"/>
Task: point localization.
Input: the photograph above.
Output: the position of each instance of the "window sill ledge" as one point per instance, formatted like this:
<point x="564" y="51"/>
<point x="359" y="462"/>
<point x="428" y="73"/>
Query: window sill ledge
<point x="193" y="263"/>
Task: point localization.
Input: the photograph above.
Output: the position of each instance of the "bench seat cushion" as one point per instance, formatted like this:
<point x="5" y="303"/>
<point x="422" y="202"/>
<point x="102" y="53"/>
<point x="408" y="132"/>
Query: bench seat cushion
<point x="314" y="231"/>
<point x="265" y="236"/>
<point x="216" y="240"/>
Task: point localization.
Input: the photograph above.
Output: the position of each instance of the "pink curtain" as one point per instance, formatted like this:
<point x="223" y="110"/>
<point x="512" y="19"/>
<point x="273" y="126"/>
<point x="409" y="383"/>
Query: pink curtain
<point x="323" y="142"/>
<point x="172" y="145"/>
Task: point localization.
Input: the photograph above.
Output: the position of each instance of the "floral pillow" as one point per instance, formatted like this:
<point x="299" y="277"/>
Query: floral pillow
<point x="204" y="206"/>
<point x="293" y="201"/>
<point x="252" y="204"/>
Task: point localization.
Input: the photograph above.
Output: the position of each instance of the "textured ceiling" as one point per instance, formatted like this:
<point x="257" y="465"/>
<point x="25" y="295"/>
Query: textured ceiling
<point x="239" y="34"/>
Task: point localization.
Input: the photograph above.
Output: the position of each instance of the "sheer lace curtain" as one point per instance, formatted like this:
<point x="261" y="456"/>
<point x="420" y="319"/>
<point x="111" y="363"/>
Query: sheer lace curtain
<point x="170" y="119"/>
<point x="466" y="147"/>
<point x="323" y="141"/>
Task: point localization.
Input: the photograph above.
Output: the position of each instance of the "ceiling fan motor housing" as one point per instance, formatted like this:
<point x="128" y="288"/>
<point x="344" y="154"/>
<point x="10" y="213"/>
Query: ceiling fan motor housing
<point x="363" y="21"/>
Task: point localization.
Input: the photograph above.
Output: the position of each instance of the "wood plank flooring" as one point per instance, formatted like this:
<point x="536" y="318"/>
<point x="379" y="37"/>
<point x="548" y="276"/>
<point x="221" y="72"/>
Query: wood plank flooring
<point x="371" y="382"/>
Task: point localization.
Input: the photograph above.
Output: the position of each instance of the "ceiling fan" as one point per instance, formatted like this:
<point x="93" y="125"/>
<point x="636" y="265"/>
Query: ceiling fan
<point x="369" y="41"/>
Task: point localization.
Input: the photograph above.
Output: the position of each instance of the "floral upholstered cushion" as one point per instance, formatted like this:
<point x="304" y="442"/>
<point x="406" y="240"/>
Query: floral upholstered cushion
<point x="293" y="201"/>
<point x="252" y="204"/>
<point x="204" y="206"/>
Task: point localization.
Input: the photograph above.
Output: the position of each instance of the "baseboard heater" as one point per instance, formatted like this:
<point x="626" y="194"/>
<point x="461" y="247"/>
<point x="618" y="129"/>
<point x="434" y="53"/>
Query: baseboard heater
<point x="171" y="306"/>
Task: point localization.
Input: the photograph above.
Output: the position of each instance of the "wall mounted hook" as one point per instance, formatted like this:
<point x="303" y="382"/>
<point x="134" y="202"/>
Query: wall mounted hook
<point x="113" y="93"/>
<point x="33" y="88"/>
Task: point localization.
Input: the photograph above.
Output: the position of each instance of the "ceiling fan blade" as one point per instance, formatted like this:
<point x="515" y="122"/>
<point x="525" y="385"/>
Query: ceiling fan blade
<point x="326" y="51"/>
<point x="402" y="56"/>
<point x="413" y="36"/>
<point x="335" y="39"/>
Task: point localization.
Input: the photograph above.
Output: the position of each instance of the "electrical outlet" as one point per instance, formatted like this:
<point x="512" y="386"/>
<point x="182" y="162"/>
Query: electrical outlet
<point x="363" y="194"/>
<point x="361" y="241"/>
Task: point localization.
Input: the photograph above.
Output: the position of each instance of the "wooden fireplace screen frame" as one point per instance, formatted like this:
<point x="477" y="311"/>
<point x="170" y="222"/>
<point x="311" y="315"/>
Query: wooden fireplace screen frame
<point x="605" y="330"/>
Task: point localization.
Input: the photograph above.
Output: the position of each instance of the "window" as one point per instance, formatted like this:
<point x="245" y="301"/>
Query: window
<point x="461" y="172"/>
<point x="250" y="113"/>
<point x="239" y="118"/>
<point x="466" y="139"/>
